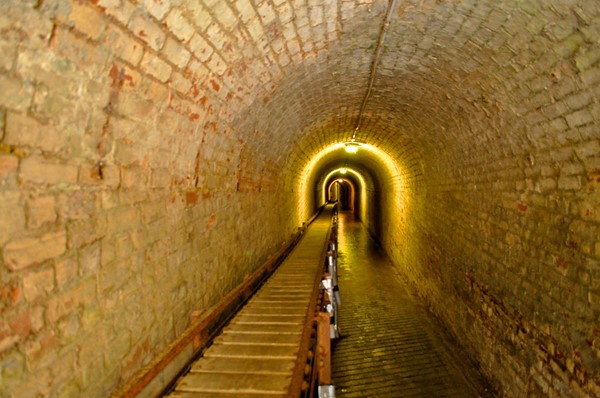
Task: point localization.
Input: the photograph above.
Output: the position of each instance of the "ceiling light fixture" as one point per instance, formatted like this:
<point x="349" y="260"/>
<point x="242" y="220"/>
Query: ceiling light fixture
<point x="352" y="147"/>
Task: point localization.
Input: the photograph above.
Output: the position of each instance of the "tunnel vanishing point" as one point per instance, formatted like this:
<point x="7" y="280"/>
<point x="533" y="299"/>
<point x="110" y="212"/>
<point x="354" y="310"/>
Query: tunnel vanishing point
<point x="154" y="152"/>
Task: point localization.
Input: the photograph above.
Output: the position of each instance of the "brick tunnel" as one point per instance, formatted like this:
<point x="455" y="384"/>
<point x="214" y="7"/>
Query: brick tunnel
<point x="154" y="152"/>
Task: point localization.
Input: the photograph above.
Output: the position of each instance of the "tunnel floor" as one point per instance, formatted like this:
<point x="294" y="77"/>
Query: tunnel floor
<point x="390" y="345"/>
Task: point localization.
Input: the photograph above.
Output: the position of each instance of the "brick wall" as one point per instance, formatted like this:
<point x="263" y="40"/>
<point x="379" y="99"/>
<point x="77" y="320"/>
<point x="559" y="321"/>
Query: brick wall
<point x="503" y="246"/>
<point x="152" y="153"/>
<point x="129" y="197"/>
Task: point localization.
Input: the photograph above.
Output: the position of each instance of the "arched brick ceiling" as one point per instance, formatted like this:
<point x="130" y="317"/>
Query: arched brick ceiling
<point x="196" y="119"/>
<point x="459" y="82"/>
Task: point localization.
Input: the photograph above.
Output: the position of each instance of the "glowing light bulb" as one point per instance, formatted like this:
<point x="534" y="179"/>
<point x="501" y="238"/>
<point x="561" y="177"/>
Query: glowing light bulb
<point x="351" y="147"/>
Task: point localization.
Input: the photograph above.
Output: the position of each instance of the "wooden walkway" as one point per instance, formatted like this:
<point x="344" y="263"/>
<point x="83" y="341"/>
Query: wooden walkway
<point x="257" y="352"/>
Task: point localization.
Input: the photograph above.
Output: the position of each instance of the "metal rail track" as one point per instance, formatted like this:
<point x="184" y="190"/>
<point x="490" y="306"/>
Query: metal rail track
<point x="268" y="348"/>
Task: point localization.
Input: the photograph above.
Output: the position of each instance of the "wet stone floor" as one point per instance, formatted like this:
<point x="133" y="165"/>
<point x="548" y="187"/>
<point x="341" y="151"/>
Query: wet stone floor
<point x="390" y="346"/>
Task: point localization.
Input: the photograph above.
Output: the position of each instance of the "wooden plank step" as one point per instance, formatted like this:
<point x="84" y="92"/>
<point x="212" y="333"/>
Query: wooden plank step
<point x="283" y="338"/>
<point x="238" y="384"/>
<point x="227" y="349"/>
<point x="180" y="394"/>
<point x="244" y="365"/>
<point x="297" y="329"/>
<point x="256" y="316"/>
<point x="295" y="295"/>
<point x="272" y="310"/>
<point x="281" y="289"/>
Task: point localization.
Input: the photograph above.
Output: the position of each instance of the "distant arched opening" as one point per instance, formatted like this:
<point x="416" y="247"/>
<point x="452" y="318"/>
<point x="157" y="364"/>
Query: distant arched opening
<point x="342" y="190"/>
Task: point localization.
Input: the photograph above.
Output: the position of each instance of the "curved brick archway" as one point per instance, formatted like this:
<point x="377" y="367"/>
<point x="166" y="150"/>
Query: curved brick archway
<point x="140" y="138"/>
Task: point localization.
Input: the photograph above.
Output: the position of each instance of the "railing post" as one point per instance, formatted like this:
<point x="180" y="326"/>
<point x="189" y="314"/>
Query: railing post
<point x="327" y="320"/>
<point x="326" y="388"/>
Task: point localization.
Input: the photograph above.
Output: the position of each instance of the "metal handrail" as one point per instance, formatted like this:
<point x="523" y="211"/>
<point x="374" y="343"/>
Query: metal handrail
<point x="308" y="375"/>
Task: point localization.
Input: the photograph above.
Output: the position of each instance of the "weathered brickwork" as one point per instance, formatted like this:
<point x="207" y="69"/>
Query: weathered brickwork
<point x="151" y="154"/>
<point x="127" y="198"/>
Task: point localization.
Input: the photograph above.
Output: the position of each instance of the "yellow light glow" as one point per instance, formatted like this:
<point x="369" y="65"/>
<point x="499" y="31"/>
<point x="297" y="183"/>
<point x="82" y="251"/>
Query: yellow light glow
<point x="384" y="197"/>
<point x="343" y="170"/>
<point x="351" y="147"/>
<point x="359" y="176"/>
<point x="315" y="159"/>
<point x="361" y="189"/>
<point x="390" y="168"/>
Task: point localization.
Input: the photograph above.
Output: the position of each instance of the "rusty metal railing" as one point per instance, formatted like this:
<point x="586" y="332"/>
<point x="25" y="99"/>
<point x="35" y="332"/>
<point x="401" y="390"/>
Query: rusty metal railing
<point x="312" y="373"/>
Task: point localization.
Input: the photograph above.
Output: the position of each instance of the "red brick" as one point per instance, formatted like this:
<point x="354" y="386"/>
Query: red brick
<point x="89" y="258"/>
<point x="226" y="16"/>
<point x="85" y="231"/>
<point x="79" y="205"/>
<point x="26" y="252"/>
<point x="147" y="31"/>
<point x="10" y="294"/>
<point x="125" y="47"/>
<point x="8" y="167"/>
<point x="86" y="19"/>
<point x="180" y="83"/>
<point x="10" y="54"/>
<point x="20" y="324"/>
<point x="187" y="108"/>
<point x="179" y="25"/>
<point x="22" y="130"/>
<point x="198" y="72"/>
<point x="157" y="8"/>
<point x="41" y="211"/>
<point x="156" y="67"/>
<point x="7" y="338"/>
<point x="46" y="171"/>
<point x="38" y="283"/>
<point x="112" y="175"/>
<point x="64" y="303"/>
<point x="79" y="51"/>
<point x="134" y="107"/>
<point x="121" y="10"/>
<point x="123" y="219"/>
<point x="201" y="48"/>
<point x="133" y="177"/>
<point x="176" y="53"/>
<point x="160" y="178"/>
<point x="66" y="271"/>
<point x="13" y="218"/>
<point x="40" y="350"/>
<point x="68" y="328"/>
<point x="16" y="95"/>
<point x="99" y="174"/>
<point x="266" y="13"/>
<point x="579" y="118"/>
